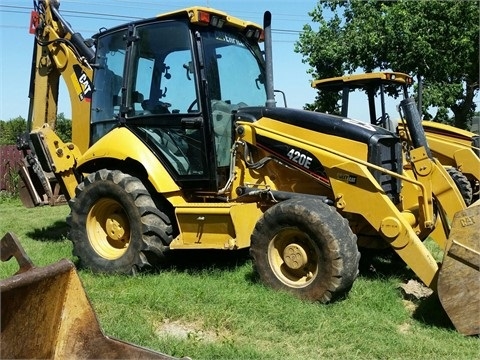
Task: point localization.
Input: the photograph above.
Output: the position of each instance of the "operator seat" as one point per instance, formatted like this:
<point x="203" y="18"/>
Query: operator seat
<point x="222" y="114"/>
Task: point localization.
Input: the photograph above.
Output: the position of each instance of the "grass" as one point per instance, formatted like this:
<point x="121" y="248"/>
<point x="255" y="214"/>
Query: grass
<point x="210" y="306"/>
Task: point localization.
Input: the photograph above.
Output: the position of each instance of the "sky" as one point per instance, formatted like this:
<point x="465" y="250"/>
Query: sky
<point x="87" y="16"/>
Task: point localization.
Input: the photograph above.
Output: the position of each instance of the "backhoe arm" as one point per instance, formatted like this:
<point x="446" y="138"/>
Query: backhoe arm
<point x="58" y="51"/>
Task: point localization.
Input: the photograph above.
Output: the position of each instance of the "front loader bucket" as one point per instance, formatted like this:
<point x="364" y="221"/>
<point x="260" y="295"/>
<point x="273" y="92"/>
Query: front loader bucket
<point x="459" y="277"/>
<point x="46" y="314"/>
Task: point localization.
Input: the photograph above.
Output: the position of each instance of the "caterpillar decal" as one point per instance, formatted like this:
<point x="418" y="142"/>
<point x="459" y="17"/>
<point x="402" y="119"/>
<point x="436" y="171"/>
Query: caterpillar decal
<point x="83" y="85"/>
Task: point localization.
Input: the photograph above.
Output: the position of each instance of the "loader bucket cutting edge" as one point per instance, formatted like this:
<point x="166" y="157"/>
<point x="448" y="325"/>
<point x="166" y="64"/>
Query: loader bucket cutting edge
<point x="459" y="277"/>
<point x="45" y="313"/>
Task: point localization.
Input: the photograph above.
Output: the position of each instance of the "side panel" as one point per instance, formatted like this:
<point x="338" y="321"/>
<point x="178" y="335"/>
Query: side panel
<point x="215" y="226"/>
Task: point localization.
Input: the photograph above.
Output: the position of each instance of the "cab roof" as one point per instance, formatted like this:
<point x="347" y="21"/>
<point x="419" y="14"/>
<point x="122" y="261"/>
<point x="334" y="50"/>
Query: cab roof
<point x="202" y="16"/>
<point x="196" y="13"/>
<point x="362" y="80"/>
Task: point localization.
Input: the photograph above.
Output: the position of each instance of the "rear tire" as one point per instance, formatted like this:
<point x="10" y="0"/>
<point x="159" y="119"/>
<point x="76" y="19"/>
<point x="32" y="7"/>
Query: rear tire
<point x="115" y="225"/>
<point x="462" y="183"/>
<point x="304" y="246"/>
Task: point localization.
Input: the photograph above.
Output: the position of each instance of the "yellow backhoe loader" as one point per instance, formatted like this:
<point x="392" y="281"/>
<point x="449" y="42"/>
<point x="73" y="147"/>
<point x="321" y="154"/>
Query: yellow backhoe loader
<point x="177" y="144"/>
<point x="456" y="149"/>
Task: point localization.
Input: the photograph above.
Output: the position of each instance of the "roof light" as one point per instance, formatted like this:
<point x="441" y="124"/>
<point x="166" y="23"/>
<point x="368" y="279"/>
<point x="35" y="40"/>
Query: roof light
<point x="34" y="21"/>
<point x="254" y="33"/>
<point x="204" y="17"/>
<point x="207" y="18"/>
<point x="217" y="21"/>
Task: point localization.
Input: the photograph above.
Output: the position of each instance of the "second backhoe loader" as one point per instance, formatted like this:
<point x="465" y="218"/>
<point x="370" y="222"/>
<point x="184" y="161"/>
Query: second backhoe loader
<point x="177" y="144"/>
<point x="456" y="149"/>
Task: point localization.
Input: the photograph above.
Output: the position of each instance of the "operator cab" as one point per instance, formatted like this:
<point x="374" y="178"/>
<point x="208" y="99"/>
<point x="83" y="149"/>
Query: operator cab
<point x="176" y="84"/>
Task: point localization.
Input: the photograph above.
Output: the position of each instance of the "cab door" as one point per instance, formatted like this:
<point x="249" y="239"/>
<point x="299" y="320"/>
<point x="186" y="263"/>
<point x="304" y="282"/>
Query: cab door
<point x="163" y="107"/>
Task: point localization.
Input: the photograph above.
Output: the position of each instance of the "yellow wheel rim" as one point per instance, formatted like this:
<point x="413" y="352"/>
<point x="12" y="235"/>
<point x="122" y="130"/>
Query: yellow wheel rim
<point x="108" y="229"/>
<point x="293" y="257"/>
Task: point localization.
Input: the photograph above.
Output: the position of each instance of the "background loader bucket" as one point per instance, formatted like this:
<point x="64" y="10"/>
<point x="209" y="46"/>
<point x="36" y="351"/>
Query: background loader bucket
<point x="45" y="313"/>
<point x="459" y="278"/>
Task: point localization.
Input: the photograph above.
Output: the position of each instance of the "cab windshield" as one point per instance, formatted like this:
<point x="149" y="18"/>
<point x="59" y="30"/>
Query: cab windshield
<point x="234" y="69"/>
<point x="236" y="78"/>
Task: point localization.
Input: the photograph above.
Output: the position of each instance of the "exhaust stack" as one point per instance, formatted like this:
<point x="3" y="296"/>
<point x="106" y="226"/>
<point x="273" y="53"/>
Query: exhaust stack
<point x="267" y="29"/>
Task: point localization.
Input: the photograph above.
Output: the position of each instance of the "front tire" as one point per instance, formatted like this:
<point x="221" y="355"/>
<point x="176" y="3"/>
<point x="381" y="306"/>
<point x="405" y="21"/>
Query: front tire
<point x="115" y="225"/>
<point x="304" y="246"/>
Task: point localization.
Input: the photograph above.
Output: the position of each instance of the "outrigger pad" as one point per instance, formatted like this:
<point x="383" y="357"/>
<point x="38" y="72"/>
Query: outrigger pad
<point x="459" y="277"/>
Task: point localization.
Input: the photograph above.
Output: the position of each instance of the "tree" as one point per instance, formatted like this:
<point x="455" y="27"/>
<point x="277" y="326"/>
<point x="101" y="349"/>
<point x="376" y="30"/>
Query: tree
<point x="63" y="128"/>
<point x="11" y="129"/>
<point x="436" y="40"/>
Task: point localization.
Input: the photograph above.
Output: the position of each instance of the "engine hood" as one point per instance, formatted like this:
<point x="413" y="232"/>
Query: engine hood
<point x="319" y="122"/>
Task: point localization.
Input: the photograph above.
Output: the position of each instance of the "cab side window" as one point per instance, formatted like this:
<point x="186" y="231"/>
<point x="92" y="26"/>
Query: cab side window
<point x="163" y="81"/>
<point x="107" y="83"/>
<point x="179" y="85"/>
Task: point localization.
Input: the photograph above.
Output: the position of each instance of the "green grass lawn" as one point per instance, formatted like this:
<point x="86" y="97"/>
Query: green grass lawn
<point x="210" y="306"/>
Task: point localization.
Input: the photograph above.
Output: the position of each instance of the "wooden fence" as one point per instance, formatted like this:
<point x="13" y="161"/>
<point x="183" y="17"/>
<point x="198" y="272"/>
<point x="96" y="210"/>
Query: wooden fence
<point x="10" y="161"/>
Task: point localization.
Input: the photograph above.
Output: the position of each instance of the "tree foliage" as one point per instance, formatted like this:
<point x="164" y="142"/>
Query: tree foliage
<point x="11" y="129"/>
<point x="437" y="40"/>
<point x="63" y="127"/>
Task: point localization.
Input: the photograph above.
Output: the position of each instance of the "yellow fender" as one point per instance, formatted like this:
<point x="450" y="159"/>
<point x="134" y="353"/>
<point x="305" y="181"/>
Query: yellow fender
<point x="131" y="148"/>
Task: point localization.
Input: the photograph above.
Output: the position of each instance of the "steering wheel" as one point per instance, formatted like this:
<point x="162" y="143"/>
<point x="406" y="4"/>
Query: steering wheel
<point x="190" y="108"/>
<point x="379" y="120"/>
<point x="156" y="106"/>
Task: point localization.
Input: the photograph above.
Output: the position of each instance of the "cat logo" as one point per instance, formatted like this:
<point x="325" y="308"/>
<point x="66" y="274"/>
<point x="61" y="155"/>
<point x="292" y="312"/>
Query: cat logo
<point x="83" y="85"/>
